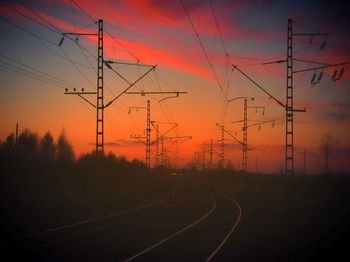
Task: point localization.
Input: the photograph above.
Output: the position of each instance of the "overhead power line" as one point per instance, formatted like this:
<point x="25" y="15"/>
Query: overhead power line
<point x="218" y="28"/>
<point x="29" y="71"/>
<point x="108" y="33"/>
<point x="54" y="28"/>
<point x="83" y="10"/>
<point x="203" y="49"/>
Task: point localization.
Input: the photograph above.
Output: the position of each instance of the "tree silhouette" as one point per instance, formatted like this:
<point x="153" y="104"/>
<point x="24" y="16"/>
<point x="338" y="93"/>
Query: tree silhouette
<point x="28" y="145"/>
<point x="65" y="152"/>
<point x="10" y="142"/>
<point x="8" y="150"/>
<point x="47" y="148"/>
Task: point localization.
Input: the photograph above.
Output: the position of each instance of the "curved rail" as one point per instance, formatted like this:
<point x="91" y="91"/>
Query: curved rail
<point x="174" y="234"/>
<point x="234" y="226"/>
<point x="84" y="222"/>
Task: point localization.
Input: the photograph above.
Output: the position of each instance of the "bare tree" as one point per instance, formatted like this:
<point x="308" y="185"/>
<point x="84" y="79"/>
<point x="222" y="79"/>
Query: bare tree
<point x="327" y="147"/>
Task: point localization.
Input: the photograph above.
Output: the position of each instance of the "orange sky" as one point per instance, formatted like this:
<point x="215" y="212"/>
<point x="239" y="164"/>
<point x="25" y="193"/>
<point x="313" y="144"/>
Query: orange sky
<point x="159" y="33"/>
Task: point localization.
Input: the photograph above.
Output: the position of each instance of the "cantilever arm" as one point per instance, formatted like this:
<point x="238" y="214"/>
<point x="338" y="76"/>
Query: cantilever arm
<point x="176" y="96"/>
<point x="80" y="95"/>
<point x="86" y="100"/>
<point x="130" y="86"/>
<point x="259" y="86"/>
<point x="221" y="127"/>
<point x="139" y="139"/>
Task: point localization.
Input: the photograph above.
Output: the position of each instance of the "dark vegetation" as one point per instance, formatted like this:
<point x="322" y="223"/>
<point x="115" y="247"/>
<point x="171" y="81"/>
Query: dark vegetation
<point x="43" y="185"/>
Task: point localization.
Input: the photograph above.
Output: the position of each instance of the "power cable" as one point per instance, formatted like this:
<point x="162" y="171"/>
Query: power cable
<point x="203" y="49"/>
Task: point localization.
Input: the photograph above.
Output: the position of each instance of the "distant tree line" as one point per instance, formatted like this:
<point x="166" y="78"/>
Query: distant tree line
<point x="29" y="149"/>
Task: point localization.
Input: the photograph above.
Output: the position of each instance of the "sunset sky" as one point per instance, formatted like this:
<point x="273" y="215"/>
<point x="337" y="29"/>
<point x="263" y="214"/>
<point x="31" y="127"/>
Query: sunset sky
<point x="35" y="71"/>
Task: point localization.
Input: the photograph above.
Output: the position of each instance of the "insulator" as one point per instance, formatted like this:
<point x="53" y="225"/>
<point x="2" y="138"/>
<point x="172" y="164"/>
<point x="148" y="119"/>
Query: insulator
<point x="323" y="44"/>
<point x="320" y="77"/>
<point x="334" y="75"/>
<point x="341" y="73"/>
<point x="61" y="42"/>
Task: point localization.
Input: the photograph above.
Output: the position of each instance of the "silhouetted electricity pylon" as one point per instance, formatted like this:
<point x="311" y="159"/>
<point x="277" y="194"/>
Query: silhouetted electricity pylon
<point x="148" y="128"/>
<point x="99" y="94"/>
<point x="203" y="156"/>
<point x="159" y="139"/>
<point x="289" y="107"/>
<point x="245" y="134"/>
<point x="99" y="97"/>
<point x="100" y="106"/>
<point x="223" y="130"/>
<point x="176" y="139"/>
<point x="246" y="126"/>
<point x="211" y="153"/>
<point x="156" y="126"/>
<point x="222" y="155"/>
<point x="16" y="137"/>
<point x="148" y="132"/>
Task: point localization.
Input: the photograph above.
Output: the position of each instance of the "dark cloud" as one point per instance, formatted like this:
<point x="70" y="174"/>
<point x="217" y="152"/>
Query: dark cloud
<point x="340" y="105"/>
<point x="335" y="116"/>
<point x="121" y="143"/>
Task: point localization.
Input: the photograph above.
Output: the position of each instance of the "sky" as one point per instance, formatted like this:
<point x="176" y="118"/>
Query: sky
<point x="194" y="45"/>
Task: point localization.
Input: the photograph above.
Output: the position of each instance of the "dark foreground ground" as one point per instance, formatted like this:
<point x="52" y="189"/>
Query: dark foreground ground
<point x="70" y="215"/>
